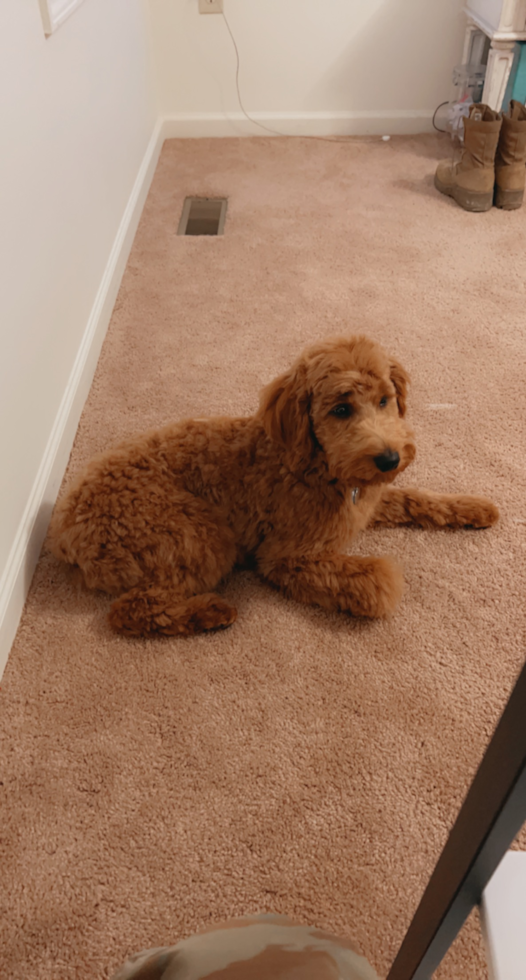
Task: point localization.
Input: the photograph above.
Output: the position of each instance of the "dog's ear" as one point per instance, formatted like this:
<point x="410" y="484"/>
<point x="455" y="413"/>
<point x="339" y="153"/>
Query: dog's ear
<point x="284" y="411"/>
<point x="400" y="379"/>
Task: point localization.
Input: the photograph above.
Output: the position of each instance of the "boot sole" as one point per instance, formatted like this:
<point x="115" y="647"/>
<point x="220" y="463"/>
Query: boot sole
<point x="468" y="200"/>
<point x="508" y="200"/>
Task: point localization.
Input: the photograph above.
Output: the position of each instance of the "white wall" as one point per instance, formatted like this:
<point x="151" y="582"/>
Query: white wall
<point x="310" y="65"/>
<point x="77" y="114"/>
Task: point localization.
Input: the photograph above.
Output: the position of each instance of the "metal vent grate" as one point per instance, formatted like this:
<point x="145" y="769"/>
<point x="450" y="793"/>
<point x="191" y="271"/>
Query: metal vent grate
<point x="203" y="216"/>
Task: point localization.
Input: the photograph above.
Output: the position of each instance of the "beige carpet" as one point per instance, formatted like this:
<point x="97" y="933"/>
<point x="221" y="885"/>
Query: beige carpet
<point x="299" y="762"/>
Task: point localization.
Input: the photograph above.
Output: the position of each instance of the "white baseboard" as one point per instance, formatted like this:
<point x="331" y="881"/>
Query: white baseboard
<point x="388" y="122"/>
<point x="21" y="564"/>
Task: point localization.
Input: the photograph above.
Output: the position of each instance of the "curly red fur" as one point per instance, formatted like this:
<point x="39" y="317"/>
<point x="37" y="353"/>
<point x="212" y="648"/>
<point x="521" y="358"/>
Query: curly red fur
<point x="160" y="520"/>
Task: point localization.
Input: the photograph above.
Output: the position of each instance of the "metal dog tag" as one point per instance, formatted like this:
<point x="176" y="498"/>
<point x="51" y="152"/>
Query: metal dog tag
<point x="355" y="495"/>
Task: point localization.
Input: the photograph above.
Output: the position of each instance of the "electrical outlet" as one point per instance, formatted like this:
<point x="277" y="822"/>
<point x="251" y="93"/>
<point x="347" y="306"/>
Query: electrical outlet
<point x="210" y="6"/>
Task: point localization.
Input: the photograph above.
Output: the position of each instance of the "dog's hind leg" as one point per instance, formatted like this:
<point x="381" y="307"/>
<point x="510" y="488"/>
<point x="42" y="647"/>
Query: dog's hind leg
<point x="161" y="561"/>
<point x="159" y="609"/>
<point x="176" y="597"/>
<point x="427" y="509"/>
<point x="362" y="586"/>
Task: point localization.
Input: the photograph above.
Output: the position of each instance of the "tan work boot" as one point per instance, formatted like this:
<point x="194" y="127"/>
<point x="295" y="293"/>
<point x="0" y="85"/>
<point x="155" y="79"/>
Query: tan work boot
<point x="510" y="162"/>
<point x="471" y="182"/>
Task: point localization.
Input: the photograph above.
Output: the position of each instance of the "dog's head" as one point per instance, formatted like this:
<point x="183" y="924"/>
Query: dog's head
<point x="346" y="399"/>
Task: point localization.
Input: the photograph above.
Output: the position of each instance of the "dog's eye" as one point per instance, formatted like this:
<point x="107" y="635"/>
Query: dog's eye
<point x="383" y="401"/>
<point x="343" y="411"/>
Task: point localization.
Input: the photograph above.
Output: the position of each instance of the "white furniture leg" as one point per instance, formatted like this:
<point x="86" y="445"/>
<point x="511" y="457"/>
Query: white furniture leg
<point x="500" y="61"/>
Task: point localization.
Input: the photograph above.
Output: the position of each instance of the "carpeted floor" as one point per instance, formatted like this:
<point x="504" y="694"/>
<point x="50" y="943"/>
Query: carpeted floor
<point x="298" y="762"/>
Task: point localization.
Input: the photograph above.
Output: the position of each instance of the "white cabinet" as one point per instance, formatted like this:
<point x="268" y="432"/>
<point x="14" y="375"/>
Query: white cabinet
<point x="501" y="17"/>
<point x="503" y="22"/>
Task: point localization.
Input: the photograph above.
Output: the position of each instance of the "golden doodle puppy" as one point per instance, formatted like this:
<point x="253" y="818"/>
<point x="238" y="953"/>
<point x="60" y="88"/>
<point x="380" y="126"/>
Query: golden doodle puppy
<point x="160" y="520"/>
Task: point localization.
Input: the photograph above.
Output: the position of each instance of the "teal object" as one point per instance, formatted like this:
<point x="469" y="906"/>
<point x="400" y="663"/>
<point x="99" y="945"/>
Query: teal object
<point x="516" y="87"/>
<point x="519" y="84"/>
<point x="510" y="87"/>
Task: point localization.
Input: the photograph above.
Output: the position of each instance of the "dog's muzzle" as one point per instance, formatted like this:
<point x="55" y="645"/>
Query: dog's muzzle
<point x="387" y="461"/>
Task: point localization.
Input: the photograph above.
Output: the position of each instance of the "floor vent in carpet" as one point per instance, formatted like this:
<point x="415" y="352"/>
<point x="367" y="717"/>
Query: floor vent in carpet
<point x="203" y="216"/>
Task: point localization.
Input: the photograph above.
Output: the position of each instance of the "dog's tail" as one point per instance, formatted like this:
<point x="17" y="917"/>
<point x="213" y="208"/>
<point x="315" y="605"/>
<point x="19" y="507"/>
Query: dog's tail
<point x="61" y="531"/>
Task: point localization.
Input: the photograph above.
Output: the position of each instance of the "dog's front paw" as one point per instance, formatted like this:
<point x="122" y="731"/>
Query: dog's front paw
<point x="378" y="588"/>
<point x="474" y="512"/>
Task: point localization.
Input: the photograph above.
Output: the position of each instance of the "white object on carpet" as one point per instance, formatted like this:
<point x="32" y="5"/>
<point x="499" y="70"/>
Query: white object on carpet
<point x="504" y="918"/>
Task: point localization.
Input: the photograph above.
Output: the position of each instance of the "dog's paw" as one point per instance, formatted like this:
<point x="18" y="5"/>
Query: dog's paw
<point x="211" y="612"/>
<point x="475" y="512"/>
<point x="378" y="588"/>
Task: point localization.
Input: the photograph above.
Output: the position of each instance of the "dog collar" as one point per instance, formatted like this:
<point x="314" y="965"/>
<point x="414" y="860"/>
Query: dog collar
<point x="355" y="495"/>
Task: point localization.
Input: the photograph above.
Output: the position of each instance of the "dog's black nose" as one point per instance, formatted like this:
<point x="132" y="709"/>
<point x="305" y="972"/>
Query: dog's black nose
<point x="387" y="461"/>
